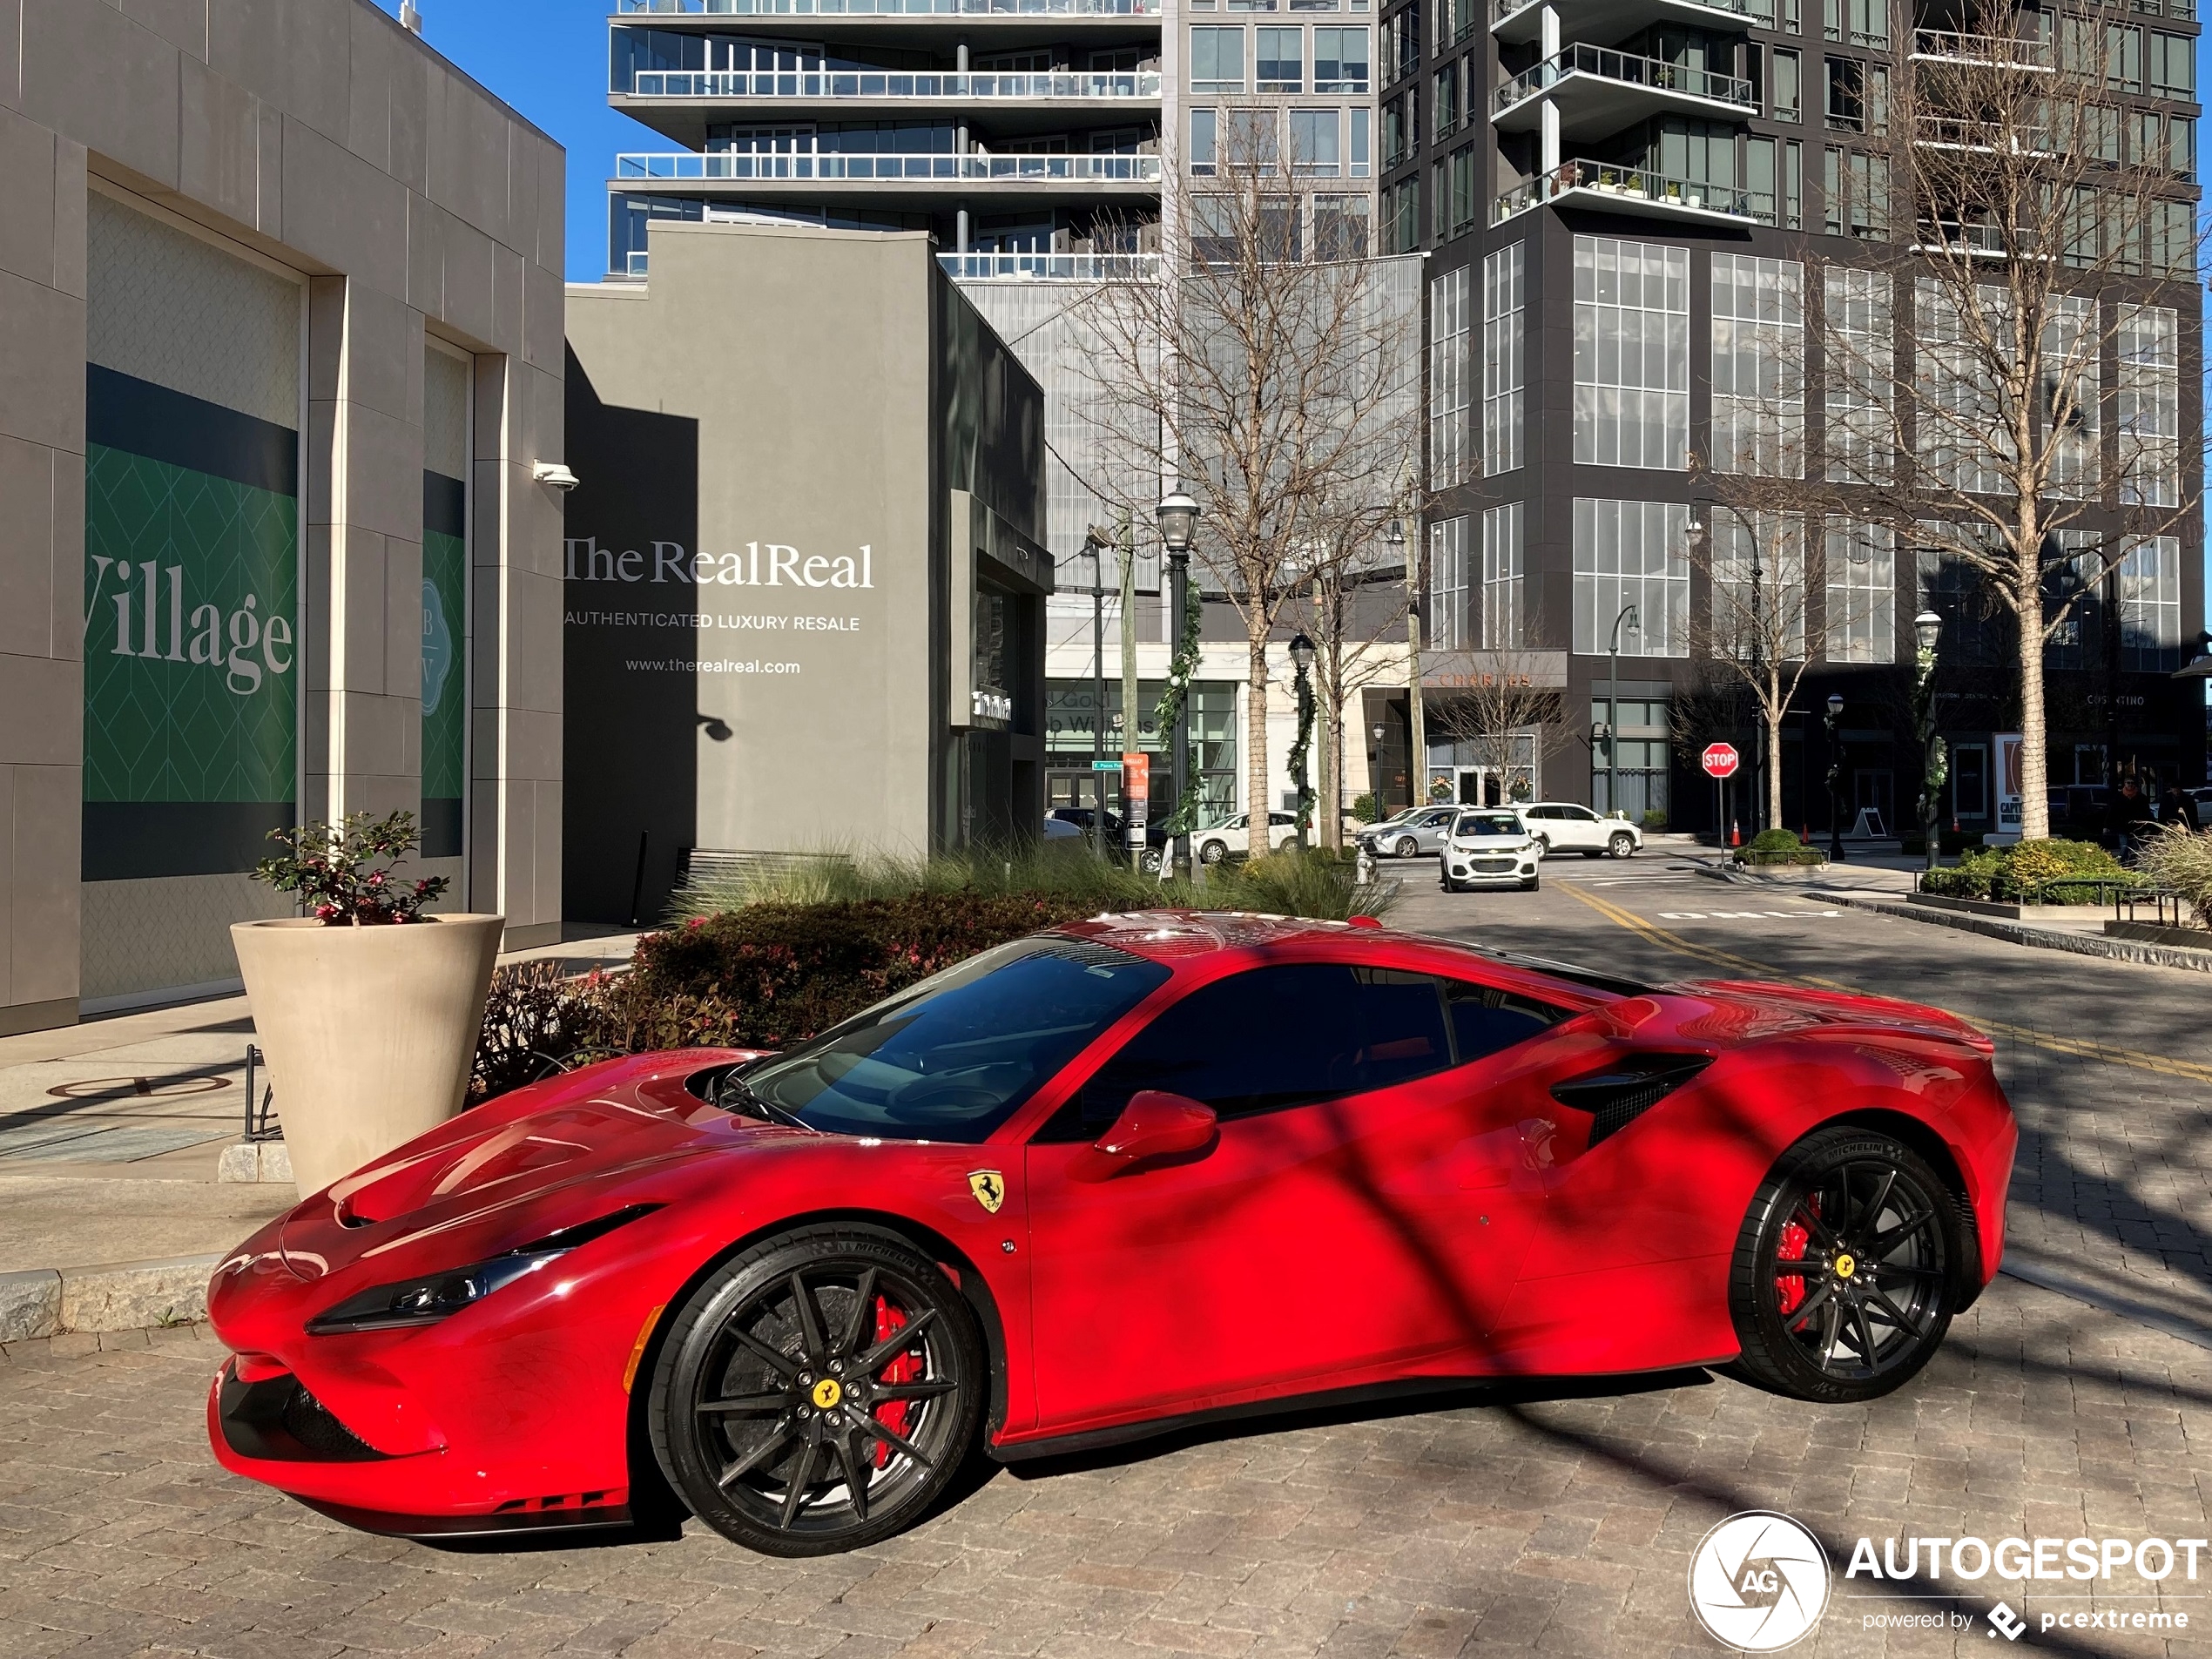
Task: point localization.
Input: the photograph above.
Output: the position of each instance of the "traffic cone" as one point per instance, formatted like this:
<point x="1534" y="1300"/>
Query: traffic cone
<point x="1805" y="835"/>
<point x="1735" y="835"/>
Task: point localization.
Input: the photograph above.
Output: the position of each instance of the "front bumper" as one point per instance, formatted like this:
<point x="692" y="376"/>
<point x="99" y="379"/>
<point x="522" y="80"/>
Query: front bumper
<point x="1480" y="870"/>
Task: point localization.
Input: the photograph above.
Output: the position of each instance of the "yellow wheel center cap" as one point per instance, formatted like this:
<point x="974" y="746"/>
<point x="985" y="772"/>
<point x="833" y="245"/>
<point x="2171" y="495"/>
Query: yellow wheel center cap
<point x="1845" y="1266"/>
<point x="827" y="1392"/>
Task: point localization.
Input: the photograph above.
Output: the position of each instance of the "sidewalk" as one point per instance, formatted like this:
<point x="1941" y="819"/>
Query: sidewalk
<point x="110" y="1130"/>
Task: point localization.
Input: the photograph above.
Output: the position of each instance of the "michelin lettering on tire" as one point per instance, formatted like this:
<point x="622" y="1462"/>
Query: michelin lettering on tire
<point x="1758" y="1582"/>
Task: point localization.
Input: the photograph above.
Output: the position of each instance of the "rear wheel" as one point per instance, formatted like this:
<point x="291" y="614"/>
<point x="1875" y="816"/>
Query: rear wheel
<point x="1543" y="846"/>
<point x="817" y="1392"/>
<point x="1213" y="852"/>
<point x="1842" y="1288"/>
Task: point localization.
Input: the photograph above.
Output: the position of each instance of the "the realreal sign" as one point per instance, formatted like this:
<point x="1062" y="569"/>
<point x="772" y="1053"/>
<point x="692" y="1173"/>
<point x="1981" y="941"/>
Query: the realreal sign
<point x="763" y="565"/>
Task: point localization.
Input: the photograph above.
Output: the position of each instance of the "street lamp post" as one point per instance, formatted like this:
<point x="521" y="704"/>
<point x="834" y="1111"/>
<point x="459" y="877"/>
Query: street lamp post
<point x="1178" y="519"/>
<point x="1375" y="772"/>
<point x="1935" y="758"/>
<point x="1095" y="548"/>
<point x="1417" y="769"/>
<point x="1302" y="663"/>
<point x="1628" y="614"/>
<point x="1835" y="780"/>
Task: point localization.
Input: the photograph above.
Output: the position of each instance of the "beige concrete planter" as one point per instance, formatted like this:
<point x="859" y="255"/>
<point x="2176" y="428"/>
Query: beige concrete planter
<point x="368" y="1031"/>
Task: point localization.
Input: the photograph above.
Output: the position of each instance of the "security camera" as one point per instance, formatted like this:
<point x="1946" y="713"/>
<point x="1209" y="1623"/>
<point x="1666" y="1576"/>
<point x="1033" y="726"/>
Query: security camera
<point x="553" y="473"/>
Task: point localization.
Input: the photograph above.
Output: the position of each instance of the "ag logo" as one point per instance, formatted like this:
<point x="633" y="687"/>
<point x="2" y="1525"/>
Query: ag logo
<point x="1758" y="1582"/>
<point x="989" y="1187"/>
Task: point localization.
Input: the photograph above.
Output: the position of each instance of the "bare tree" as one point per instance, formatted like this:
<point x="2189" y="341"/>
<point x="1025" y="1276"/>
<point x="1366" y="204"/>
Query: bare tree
<point x="1278" y="382"/>
<point x="2034" y="230"/>
<point x="1353" y="605"/>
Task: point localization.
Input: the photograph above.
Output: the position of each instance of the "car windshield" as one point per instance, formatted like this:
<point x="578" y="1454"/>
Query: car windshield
<point x="1487" y="824"/>
<point x="953" y="1057"/>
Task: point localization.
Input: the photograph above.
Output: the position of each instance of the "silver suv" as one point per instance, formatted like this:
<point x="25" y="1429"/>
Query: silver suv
<point x="1410" y="834"/>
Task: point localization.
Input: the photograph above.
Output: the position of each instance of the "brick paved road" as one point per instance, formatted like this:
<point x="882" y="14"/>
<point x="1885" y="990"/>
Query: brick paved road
<point x="1490" y="1523"/>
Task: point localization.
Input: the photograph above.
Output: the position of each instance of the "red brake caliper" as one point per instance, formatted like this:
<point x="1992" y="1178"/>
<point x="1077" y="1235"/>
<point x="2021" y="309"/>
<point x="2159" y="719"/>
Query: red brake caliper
<point x="893" y="1414"/>
<point x="1789" y="1288"/>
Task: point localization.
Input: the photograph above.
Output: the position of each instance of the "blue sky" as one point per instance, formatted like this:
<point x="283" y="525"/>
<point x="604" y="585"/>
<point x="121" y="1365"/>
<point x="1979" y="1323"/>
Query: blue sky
<point x="548" y="60"/>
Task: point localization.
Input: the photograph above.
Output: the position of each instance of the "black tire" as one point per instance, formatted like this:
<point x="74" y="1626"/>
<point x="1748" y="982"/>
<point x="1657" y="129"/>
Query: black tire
<point x="1592" y="852"/>
<point x="1543" y="846"/>
<point x="1532" y="884"/>
<point x="1406" y="846"/>
<point x="776" y="1471"/>
<point x="1623" y="845"/>
<point x="1884" y="1285"/>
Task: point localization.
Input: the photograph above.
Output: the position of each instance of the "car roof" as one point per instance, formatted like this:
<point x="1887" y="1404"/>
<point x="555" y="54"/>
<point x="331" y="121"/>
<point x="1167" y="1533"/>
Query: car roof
<point x="1180" y="938"/>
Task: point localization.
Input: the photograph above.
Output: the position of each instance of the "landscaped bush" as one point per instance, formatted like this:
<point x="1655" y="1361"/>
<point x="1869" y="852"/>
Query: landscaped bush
<point x="1775" y="841"/>
<point x="1654" y="818"/>
<point x="2181" y="857"/>
<point x="1779" y="846"/>
<point x="1367" y="809"/>
<point x="2050" y="872"/>
<point x="776" y="971"/>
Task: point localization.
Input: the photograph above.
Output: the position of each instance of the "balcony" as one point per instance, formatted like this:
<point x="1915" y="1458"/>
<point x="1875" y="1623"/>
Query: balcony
<point x="1049" y="268"/>
<point x="993" y="174"/>
<point x="889" y="86"/>
<point x="1982" y="138"/>
<point x="1981" y="51"/>
<point x="1517" y="21"/>
<point x="888" y="8"/>
<point x="1599" y="91"/>
<point x="1637" y="193"/>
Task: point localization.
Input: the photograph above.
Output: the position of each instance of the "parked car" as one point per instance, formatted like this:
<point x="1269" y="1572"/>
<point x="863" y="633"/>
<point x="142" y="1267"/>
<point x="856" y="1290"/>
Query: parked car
<point x="1059" y="829"/>
<point x="1489" y="847"/>
<point x="1563" y="826"/>
<point x="1412" y="833"/>
<point x="1218" y="841"/>
<point x="778" y="1282"/>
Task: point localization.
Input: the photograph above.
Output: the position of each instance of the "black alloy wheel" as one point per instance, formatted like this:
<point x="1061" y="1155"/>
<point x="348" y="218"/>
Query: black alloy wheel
<point x="1843" y="1279"/>
<point x="817" y="1392"/>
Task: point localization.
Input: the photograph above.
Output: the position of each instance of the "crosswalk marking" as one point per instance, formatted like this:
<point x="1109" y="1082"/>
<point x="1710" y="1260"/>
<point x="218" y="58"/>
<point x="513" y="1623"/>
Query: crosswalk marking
<point x="1739" y="915"/>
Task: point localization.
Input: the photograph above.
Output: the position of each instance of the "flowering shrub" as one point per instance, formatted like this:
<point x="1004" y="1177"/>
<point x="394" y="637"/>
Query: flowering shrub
<point x="2053" y="871"/>
<point x="344" y="875"/>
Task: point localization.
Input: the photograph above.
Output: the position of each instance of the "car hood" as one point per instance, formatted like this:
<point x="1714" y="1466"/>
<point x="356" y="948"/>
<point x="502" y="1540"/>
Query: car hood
<point x="1491" y="843"/>
<point x="531" y="1163"/>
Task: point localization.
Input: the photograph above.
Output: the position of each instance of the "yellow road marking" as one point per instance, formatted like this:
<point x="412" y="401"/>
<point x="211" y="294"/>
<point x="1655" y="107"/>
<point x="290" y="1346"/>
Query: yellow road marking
<point x="2164" y="1065"/>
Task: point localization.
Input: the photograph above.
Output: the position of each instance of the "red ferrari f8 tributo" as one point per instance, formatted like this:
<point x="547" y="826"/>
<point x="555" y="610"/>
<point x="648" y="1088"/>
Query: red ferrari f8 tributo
<point x="1119" y="1176"/>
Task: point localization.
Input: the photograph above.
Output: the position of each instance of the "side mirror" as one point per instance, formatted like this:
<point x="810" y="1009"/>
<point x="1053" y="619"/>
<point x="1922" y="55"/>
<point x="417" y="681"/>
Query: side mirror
<point x="1154" y="1124"/>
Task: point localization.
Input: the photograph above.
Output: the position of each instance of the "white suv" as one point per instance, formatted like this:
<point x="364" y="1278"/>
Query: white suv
<point x="1563" y="826"/>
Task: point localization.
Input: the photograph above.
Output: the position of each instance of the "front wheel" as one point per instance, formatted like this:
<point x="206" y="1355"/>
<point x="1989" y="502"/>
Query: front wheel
<point x="1407" y="848"/>
<point x="1532" y="884"/>
<point x="1842" y="1285"/>
<point x="817" y="1392"/>
<point x="1148" y="860"/>
<point x="1623" y="844"/>
<point x="1543" y="846"/>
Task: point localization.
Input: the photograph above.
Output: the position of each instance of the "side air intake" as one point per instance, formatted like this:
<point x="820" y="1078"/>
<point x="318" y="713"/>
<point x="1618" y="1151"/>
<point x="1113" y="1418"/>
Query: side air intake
<point x="1616" y="1097"/>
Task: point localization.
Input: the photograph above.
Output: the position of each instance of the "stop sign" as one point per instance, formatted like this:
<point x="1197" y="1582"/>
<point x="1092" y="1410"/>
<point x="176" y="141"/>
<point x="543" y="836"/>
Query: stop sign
<point x="1721" y="760"/>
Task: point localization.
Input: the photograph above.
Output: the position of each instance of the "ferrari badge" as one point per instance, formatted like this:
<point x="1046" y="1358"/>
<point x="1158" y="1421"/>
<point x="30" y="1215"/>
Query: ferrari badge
<point x="989" y="1187"/>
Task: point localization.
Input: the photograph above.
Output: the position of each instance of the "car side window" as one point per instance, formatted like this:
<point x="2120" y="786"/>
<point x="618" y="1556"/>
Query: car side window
<point x="1581" y="814"/>
<point x="1271" y="1038"/>
<point x="1486" y="1019"/>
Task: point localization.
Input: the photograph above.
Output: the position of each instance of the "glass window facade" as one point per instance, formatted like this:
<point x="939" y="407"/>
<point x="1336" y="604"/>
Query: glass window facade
<point x="1759" y="587"/>
<point x="2151" y="639"/>
<point x="1861" y="354"/>
<point x="1632" y="553"/>
<point x="1758" y="366"/>
<point x="1449" y="393"/>
<point x="1631" y="353"/>
<point x="2072" y="385"/>
<point x="1279" y="64"/>
<point x="1217" y="60"/>
<point x="1447" y="584"/>
<point x="1340" y="60"/>
<point x="2149" y="406"/>
<point x="1956" y="405"/>
<point x="1505" y="300"/>
<point x="1504" y="567"/>
<point x="1861" y="591"/>
<point x="1070" y="707"/>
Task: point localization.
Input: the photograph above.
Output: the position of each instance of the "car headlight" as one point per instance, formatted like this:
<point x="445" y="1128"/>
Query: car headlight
<point x="439" y="1296"/>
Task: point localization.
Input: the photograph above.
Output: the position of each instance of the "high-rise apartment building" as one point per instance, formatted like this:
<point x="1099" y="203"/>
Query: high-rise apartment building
<point x="1633" y="210"/>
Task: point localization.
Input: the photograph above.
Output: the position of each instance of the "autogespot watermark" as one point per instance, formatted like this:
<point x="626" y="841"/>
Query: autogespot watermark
<point x="1760" y="1581"/>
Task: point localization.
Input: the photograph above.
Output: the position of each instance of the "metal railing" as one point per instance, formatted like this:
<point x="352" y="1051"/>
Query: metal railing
<point x="1634" y="183"/>
<point x="262" y="1121"/>
<point x="888" y="8"/>
<point x="1050" y="267"/>
<point x="1501" y="9"/>
<point x="1629" y="71"/>
<point x="812" y="83"/>
<point x="1987" y="137"/>
<point x="972" y="167"/>
<point x="1950" y="47"/>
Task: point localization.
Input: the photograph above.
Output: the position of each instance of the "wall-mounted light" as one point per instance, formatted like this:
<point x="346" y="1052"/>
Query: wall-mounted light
<point x="553" y="473"/>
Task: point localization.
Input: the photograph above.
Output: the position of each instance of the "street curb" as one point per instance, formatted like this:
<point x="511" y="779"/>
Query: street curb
<point x="2118" y="950"/>
<point x="113" y="1296"/>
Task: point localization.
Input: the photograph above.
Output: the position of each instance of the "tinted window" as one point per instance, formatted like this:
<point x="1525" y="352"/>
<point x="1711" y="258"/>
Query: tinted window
<point x="1275" y="1037"/>
<point x="1486" y="1019"/>
<point x="953" y="1057"/>
<point x="1487" y="824"/>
